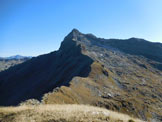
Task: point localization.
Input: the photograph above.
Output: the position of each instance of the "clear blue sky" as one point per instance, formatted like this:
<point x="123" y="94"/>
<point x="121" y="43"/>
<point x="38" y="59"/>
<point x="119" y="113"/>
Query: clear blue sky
<point x="34" y="27"/>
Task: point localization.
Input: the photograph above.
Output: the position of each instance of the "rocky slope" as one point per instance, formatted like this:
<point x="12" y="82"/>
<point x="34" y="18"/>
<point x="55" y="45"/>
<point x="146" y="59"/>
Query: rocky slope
<point x="8" y="62"/>
<point x="120" y="75"/>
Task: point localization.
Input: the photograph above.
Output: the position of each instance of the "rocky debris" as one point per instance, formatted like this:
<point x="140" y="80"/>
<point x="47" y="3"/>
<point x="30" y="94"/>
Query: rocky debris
<point x="7" y="63"/>
<point x="30" y="102"/>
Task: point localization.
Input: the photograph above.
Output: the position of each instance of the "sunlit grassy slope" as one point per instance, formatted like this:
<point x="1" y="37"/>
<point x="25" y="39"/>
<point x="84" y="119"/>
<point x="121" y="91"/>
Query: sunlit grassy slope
<point x="61" y="113"/>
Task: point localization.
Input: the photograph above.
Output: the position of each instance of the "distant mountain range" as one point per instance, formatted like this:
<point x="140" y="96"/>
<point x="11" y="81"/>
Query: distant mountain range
<point x="17" y="57"/>
<point x="120" y="75"/>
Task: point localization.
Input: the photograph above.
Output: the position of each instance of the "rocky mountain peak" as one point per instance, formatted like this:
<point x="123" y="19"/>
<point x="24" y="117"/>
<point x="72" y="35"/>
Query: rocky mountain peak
<point x="73" y="34"/>
<point x="75" y="31"/>
<point x="72" y="41"/>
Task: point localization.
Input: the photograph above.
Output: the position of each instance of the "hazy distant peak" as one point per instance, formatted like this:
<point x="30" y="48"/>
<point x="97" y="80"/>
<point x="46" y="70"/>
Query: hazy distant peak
<point x="17" y="57"/>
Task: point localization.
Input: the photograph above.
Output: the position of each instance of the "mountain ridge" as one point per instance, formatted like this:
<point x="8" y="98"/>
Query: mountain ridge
<point x="119" y="75"/>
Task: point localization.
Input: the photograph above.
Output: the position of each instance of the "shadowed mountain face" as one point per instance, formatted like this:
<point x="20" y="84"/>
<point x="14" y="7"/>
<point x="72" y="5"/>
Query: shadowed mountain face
<point x="40" y="75"/>
<point x="121" y="75"/>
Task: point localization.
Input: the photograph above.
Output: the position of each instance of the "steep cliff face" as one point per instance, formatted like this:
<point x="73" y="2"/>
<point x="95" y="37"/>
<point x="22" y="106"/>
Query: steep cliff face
<point x="121" y="75"/>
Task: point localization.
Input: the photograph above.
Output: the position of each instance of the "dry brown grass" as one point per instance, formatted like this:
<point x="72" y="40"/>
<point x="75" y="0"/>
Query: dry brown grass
<point x="61" y="113"/>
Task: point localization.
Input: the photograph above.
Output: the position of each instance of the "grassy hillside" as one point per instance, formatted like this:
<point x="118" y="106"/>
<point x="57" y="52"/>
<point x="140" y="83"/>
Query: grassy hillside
<point x="131" y="95"/>
<point x="61" y="113"/>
